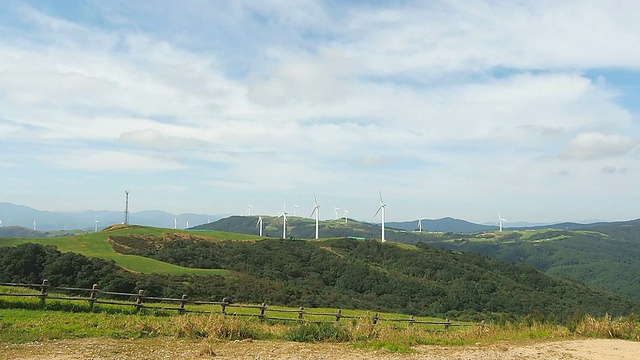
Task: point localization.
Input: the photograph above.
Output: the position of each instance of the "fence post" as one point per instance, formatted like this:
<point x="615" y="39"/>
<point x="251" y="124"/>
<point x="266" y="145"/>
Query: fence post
<point x="338" y="315"/>
<point x="139" y="300"/>
<point x="411" y="320"/>
<point x="183" y="300"/>
<point x="375" y="318"/>
<point x="223" y="306"/>
<point x="300" y="314"/>
<point x="447" y="324"/>
<point x="263" y="307"/>
<point x="93" y="295"/>
<point x="43" y="291"/>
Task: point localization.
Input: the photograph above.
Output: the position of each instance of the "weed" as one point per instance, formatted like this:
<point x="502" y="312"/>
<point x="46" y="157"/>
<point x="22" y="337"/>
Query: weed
<point x="315" y="332"/>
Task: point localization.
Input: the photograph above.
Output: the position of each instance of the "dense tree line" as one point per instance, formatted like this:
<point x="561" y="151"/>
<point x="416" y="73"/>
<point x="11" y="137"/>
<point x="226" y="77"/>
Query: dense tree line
<point x="368" y="274"/>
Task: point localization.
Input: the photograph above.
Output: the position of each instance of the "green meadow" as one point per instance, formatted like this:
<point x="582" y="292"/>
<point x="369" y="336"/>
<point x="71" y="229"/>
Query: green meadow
<point x="97" y="245"/>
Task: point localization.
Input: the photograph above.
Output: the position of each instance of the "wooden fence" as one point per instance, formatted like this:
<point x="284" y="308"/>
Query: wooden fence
<point x="140" y="301"/>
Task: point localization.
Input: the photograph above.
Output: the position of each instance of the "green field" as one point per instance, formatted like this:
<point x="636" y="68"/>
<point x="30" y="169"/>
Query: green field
<point x="97" y="245"/>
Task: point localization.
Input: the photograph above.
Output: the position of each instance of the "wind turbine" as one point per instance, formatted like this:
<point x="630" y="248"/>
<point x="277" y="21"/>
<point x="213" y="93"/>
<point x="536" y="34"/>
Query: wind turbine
<point x="346" y="212"/>
<point x="336" y="209"/>
<point x="284" y="224"/>
<point x="316" y="210"/>
<point x="259" y="224"/>
<point x="420" y="224"/>
<point x="175" y="223"/>
<point x="500" y="220"/>
<point x="34" y="224"/>
<point x="187" y="224"/>
<point x="250" y="209"/>
<point x="382" y="207"/>
<point x="95" y="228"/>
<point x="294" y="208"/>
<point x="0" y="224"/>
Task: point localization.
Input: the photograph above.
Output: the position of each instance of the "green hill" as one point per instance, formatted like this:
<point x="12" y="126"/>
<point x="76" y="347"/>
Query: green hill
<point x="605" y="257"/>
<point x="98" y="245"/>
<point x="387" y="277"/>
<point x="305" y="228"/>
<point x="336" y="273"/>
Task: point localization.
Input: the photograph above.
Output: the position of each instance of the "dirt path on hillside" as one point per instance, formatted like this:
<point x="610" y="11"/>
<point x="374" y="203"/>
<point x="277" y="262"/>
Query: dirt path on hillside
<point x="172" y="349"/>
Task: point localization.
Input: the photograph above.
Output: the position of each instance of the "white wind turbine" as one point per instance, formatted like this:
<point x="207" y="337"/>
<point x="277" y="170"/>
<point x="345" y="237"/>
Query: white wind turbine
<point x="187" y="224"/>
<point x="500" y="220"/>
<point x="336" y="210"/>
<point x="175" y="223"/>
<point x="316" y="210"/>
<point x="420" y="224"/>
<point x="382" y="207"/>
<point x="284" y="224"/>
<point x="0" y="224"/>
<point x="346" y="212"/>
<point x="34" y="224"/>
<point x="294" y="208"/>
<point x="95" y="228"/>
<point x="259" y="224"/>
<point x="250" y="209"/>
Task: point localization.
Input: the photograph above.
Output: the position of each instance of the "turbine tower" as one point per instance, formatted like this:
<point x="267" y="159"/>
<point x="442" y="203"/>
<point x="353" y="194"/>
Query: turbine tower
<point x="95" y="228"/>
<point x="346" y="212"/>
<point x="0" y="224"/>
<point x="420" y="224"/>
<point x="126" y="207"/>
<point x="284" y="224"/>
<point x="259" y="224"/>
<point x="34" y="224"/>
<point x="382" y="207"/>
<point x="500" y="220"/>
<point x="250" y="209"/>
<point x="336" y="210"/>
<point x="175" y="223"/>
<point x="316" y="210"/>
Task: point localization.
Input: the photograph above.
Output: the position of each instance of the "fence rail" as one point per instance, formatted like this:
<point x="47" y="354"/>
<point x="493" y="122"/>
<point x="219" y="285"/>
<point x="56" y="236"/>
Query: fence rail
<point x="139" y="301"/>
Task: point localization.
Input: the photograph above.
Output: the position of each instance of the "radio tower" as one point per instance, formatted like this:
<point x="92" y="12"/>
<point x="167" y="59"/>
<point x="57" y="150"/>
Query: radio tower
<point x="126" y="207"/>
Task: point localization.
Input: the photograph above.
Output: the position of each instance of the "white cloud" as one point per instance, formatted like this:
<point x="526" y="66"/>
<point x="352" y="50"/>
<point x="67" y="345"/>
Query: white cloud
<point x="99" y="160"/>
<point x="595" y="145"/>
<point x="460" y="101"/>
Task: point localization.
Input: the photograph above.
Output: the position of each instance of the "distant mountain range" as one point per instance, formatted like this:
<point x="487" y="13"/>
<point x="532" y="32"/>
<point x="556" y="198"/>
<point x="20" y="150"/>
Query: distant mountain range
<point x="24" y="216"/>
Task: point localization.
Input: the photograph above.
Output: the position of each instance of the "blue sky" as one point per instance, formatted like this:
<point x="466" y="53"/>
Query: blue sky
<point x="449" y="108"/>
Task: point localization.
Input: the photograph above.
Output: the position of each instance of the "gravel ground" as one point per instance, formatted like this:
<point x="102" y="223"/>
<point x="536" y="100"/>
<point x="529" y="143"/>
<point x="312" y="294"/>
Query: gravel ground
<point x="171" y="349"/>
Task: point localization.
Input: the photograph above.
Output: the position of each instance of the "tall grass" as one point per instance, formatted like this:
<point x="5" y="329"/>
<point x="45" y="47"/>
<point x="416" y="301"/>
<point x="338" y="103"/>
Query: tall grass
<point x="24" y="323"/>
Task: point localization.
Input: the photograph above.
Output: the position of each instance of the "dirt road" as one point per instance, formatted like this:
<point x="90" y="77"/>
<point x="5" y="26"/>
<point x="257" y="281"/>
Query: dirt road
<point x="173" y="349"/>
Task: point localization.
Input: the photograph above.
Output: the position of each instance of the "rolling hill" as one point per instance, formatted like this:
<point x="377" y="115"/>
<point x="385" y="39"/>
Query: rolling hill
<point x="601" y="255"/>
<point x="342" y="272"/>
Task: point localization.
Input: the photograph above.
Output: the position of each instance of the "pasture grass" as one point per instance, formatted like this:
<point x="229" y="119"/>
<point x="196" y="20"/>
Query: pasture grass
<point x="24" y="320"/>
<point x="97" y="245"/>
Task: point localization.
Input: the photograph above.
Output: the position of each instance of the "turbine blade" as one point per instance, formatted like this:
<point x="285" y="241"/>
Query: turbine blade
<point x="374" y="215"/>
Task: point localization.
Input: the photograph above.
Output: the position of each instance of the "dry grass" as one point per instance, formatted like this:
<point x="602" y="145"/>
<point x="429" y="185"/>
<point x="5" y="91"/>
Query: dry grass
<point x="621" y="328"/>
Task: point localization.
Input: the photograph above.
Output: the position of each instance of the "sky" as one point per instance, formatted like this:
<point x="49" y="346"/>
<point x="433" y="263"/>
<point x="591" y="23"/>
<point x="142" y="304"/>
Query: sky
<point x="466" y="109"/>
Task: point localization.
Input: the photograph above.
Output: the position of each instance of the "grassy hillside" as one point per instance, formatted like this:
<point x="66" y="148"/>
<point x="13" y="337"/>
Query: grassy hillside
<point x="97" y="245"/>
<point x="387" y="277"/>
<point x="343" y="272"/>
<point x="604" y="257"/>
